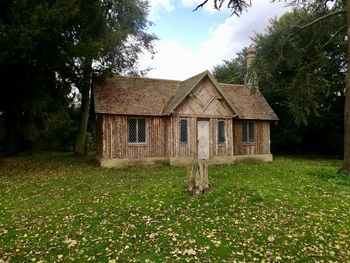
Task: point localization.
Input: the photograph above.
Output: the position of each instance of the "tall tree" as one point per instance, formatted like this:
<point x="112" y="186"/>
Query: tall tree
<point x="47" y="42"/>
<point x="325" y="9"/>
<point x="105" y="38"/>
<point x="301" y="74"/>
<point x="29" y="58"/>
<point x="232" y="71"/>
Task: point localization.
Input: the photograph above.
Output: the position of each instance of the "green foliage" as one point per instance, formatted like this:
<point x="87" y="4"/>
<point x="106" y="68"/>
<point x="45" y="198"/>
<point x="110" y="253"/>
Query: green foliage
<point x="297" y="62"/>
<point x="54" y="207"/>
<point x="44" y="49"/>
<point x="231" y="71"/>
<point x="302" y="75"/>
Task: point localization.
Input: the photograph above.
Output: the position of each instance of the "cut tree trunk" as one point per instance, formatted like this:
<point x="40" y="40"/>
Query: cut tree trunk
<point x="80" y="145"/>
<point x="197" y="177"/>
<point x="346" y="167"/>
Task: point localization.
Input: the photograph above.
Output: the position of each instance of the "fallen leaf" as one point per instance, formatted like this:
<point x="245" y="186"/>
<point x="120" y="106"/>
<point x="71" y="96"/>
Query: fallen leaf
<point x="271" y="238"/>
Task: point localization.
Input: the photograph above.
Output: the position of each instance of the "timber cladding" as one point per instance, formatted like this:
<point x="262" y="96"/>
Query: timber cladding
<point x="160" y="106"/>
<point x="114" y="138"/>
<point x="261" y="144"/>
<point x="163" y="138"/>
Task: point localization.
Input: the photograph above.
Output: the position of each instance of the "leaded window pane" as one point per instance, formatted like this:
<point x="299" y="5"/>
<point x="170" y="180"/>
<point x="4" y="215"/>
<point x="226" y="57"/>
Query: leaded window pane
<point x="132" y="130"/>
<point x="248" y="132"/>
<point x="183" y="131"/>
<point x="136" y="130"/>
<point x="221" y="132"/>
<point x="251" y="132"/>
<point x="141" y="130"/>
<point x="244" y="132"/>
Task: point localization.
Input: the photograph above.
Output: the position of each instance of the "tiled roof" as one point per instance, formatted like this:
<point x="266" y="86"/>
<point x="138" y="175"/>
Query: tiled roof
<point x="157" y="97"/>
<point x="250" y="102"/>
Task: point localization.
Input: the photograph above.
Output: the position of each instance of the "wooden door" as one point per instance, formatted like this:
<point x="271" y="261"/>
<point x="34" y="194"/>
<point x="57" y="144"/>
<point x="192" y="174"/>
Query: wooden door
<point x="203" y="139"/>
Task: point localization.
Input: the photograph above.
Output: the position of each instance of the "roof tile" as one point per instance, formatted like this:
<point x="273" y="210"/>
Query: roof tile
<point x="157" y="97"/>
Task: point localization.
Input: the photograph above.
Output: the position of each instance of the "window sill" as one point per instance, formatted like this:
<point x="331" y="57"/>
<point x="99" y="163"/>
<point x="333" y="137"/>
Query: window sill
<point x="137" y="144"/>
<point x="249" y="144"/>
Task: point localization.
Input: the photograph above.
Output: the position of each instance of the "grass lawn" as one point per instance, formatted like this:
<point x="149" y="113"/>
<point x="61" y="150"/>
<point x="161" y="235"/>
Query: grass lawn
<point x="59" y="208"/>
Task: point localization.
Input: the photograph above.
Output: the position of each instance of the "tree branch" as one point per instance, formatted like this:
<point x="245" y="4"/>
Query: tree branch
<point x="327" y="43"/>
<point x="200" y="5"/>
<point x="332" y="37"/>
<point x="343" y="11"/>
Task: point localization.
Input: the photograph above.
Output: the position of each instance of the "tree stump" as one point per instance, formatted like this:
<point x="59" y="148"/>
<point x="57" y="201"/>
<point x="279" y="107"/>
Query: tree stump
<point x="197" y="177"/>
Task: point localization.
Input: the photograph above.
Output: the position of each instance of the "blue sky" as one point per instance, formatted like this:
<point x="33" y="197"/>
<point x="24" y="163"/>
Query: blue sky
<point x="191" y="27"/>
<point x="191" y="42"/>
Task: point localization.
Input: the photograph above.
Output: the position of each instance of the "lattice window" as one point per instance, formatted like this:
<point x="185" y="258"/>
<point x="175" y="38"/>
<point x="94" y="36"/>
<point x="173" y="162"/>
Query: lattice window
<point x="221" y="132"/>
<point x="137" y="130"/>
<point x="183" y="131"/>
<point x="248" y="132"/>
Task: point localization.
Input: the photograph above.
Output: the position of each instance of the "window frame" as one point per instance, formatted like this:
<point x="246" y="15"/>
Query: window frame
<point x="247" y="124"/>
<point x="137" y="131"/>
<point x="187" y="131"/>
<point x="225" y="132"/>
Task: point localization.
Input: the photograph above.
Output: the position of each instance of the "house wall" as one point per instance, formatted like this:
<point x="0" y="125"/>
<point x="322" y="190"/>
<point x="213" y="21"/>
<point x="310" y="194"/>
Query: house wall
<point x="226" y="149"/>
<point x="163" y="141"/>
<point x="113" y="138"/>
<point x="174" y="147"/>
<point x="205" y="102"/>
<point x="261" y="143"/>
<point x="177" y="149"/>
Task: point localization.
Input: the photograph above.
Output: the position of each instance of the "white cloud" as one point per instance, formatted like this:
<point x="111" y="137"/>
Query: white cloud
<point x="157" y="6"/>
<point x="176" y="61"/>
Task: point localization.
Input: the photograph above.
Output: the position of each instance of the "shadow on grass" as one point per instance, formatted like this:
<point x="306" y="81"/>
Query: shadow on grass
<point x="331" y="174"/>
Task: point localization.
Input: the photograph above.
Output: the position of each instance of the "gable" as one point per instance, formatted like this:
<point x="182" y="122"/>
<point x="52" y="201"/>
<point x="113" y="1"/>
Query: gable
<point x="204" y="100"/>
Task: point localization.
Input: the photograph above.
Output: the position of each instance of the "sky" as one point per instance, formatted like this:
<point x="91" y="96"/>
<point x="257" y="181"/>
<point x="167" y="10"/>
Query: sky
<point x="191" y="42"/>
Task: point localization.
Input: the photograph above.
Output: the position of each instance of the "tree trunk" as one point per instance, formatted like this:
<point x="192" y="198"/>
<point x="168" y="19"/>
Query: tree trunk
<point x="80" y="145"/>
<point x="346" y="167"/>
<point x="197" y="176"/>
<point x="13" y="128"/>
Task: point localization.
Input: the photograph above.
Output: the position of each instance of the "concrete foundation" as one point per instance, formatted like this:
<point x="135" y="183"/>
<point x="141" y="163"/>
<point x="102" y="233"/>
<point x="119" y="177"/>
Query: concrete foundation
<point x="183" y="161"/>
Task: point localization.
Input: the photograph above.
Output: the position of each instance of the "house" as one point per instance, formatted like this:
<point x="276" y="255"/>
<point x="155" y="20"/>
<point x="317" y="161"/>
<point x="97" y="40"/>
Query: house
<point x="143" y="120"/>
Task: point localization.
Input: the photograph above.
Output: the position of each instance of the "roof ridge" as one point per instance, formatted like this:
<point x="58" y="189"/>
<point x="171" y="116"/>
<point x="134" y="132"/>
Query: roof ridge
<point x="183" y="91"/>
<point x="232" y="84"/>
<point x="145" y="78"/>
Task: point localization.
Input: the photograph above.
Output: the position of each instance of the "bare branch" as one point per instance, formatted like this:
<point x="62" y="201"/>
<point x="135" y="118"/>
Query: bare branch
<point x="200" y="5"/>
<point x="343" y="11"/>
<point x="236" y="6"/>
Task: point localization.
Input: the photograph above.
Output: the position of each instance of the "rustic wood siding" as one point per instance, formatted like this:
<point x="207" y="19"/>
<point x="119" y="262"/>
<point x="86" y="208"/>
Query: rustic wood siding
<point x="163" y="138"/>
<point x="204" y="101"/>
<point x="114" y="131"/>
<point x="99" y="135"/>
<point x="261" y="143"/>
<point x="226" y="149"/>
<point x="174" y="147"/>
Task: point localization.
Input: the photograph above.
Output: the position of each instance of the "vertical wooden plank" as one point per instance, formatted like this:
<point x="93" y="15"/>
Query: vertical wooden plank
<point x="229" y="138"/>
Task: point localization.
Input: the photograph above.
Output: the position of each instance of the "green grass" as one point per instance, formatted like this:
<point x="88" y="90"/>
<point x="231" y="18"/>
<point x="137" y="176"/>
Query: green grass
<point x="58" y="208"/>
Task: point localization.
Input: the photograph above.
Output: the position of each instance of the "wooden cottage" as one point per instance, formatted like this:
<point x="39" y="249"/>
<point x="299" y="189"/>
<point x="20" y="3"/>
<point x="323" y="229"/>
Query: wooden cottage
<point x="142" y="120"/>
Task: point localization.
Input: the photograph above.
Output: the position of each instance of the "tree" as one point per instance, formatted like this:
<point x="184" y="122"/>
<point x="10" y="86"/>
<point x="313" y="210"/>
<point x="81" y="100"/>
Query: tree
<point x="29" y="59"/>
<point x="48" y="47"/>
<point x="325" y="12"/>
<point x="106" y="37"/>
<point x="302" y="76"/>
<point x="231" y="71"/>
